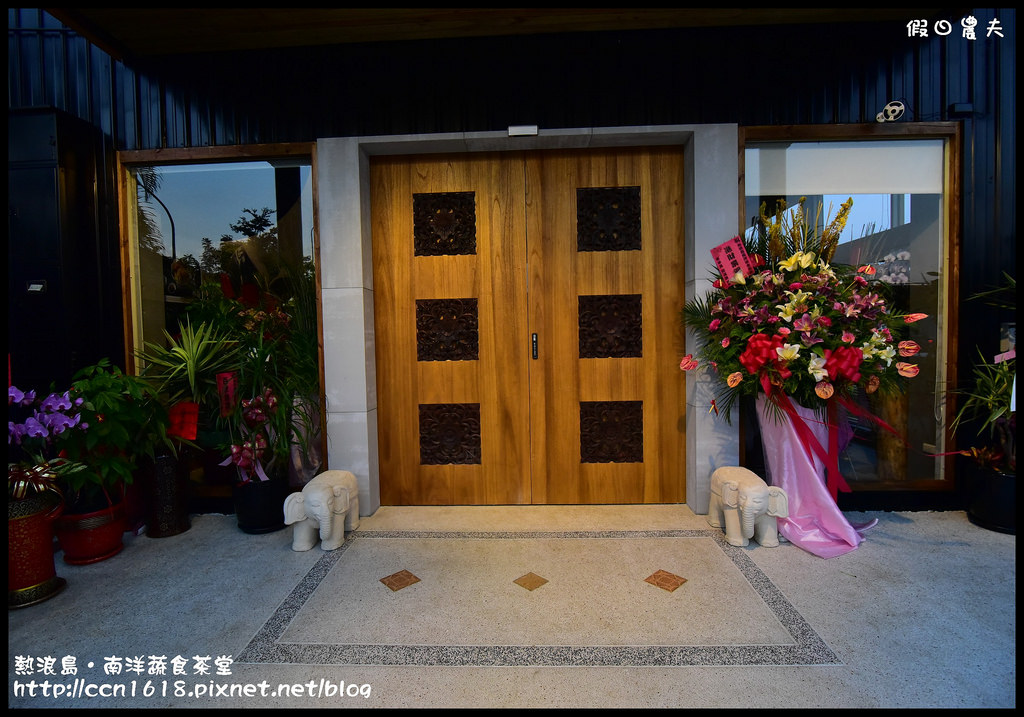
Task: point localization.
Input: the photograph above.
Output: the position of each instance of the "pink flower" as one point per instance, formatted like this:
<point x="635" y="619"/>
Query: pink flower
<point x="688" y="363"/>
<point x="907" y="370"/>
<point x="908" y="348"/>
<point x="803" y="323"/>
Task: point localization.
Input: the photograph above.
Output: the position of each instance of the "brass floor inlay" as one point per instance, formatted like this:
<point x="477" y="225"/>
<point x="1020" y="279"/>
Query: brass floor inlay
<point x="665" y="580"/>
<point x="399" y="580"/>
<point x="530" y="581"/>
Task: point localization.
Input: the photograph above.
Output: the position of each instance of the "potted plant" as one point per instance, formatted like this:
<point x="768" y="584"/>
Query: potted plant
<point x="992" y="458"/>
<point x="36" y="431"/>
<point x="125" y="423"/>
<point x="268" y="422"/>
<point x="988" y="410"/>
<point x="303" y="377"/>
<point x="989" y="407"/>
<point x="258" y="423"/>
<point x="259" y="454"/>
<point x="185" y="369"/>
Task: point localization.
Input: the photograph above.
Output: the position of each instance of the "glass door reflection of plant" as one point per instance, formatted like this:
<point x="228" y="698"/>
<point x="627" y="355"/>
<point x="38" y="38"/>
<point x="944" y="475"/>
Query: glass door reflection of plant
<point x="900" y="233"/>
<point x="198" y="223"/>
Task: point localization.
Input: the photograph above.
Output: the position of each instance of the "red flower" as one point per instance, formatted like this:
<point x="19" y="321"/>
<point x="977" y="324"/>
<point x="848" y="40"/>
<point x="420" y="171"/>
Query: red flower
<point x="688" y="362"/>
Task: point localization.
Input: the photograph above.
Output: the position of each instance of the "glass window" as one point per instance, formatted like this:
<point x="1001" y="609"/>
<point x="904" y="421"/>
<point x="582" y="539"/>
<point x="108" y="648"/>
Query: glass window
<point x="898" y="225"/>
<point x="236" y="224"/>
<point x="230" y="244"/>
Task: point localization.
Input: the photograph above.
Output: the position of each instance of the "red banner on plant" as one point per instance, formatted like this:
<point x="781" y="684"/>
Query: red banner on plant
<point x="227" y="389"/>
<point x="184" y="420"/>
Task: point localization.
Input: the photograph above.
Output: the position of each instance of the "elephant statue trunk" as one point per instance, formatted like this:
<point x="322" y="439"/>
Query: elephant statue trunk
<point x="746" y="506"/>
<point x="749" y="516"/>
<point x="331" y="502"/>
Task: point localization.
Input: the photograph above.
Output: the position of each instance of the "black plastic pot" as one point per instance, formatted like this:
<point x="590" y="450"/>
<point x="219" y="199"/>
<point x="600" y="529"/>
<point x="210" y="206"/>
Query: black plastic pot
<point x="993" y="500"/>
<point x="259" y="505"/>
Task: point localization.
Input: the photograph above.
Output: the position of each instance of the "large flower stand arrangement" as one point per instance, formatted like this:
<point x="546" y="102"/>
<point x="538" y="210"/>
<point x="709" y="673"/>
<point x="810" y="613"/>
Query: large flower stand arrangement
<point x="807" y="340"/>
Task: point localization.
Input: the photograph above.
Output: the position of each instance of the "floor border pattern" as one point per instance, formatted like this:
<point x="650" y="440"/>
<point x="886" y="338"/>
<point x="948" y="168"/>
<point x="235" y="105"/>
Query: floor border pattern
<point x="808" y="647"/>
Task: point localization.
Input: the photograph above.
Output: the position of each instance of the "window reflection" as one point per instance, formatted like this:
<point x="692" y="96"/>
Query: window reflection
<point x="897" y="226"/>
<point x="240" y="225"/>
<point x="230" y="246"/>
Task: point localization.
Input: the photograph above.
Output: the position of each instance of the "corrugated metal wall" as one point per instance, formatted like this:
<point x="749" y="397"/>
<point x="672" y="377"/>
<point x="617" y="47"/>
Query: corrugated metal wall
<point x="748" y="75"/>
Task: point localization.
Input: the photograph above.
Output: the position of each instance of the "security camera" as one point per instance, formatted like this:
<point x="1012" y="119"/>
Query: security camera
<point x="891" y="112"/>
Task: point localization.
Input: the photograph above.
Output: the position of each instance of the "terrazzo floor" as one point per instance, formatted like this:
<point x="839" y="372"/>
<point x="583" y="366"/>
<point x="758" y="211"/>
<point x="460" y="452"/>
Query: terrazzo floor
<point x="529" y="606"/>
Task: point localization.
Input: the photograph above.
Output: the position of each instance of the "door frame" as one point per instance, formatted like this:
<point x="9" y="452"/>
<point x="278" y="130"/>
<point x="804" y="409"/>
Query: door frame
<point x="712" y="206"/>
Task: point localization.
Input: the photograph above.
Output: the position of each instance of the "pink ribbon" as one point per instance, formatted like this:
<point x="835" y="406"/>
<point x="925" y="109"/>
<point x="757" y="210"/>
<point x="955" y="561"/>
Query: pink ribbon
<point x="830" y="458"/>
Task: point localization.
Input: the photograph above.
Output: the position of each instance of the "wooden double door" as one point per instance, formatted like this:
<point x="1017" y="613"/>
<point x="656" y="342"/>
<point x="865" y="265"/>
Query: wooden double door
<point x="527" y="327"/>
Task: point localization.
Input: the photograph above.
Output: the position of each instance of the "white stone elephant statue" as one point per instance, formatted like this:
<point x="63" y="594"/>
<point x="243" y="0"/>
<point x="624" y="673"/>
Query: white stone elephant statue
<point x="748" y="507"/>
<point x="329" y="503"/>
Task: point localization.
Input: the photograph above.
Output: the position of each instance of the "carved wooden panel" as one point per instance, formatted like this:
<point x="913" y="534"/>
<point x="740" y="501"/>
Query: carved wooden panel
<point x="608" y="219"/>
<point x="611" y="326"/>
<point x="611" y="432"/>
<point x="449" y="433"/>
<point x="447" y="330"/>
<point x="444" y="223"/>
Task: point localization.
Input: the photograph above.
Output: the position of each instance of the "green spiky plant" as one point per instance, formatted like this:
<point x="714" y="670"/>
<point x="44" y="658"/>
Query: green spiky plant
<point x="988" y="403"/>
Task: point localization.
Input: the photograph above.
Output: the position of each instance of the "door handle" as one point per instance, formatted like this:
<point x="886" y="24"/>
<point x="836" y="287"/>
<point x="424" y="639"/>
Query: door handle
<point x="535" y="347"/>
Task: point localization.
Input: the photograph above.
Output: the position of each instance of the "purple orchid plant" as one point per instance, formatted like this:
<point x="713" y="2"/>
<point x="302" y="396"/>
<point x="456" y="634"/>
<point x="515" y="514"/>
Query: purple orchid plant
<point x="33" y="441"/>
